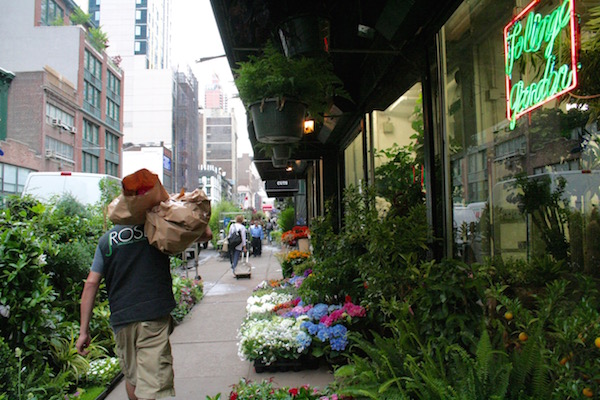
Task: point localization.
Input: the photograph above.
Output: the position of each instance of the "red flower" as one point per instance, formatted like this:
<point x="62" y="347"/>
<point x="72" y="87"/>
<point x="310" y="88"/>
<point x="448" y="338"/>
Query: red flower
<point x="233" y="396"/>
<point x="293" y="392"/>
<point x="348" y="299"/>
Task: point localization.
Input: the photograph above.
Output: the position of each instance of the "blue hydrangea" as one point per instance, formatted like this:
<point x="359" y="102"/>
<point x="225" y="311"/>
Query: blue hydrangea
<point x="338" y="343"/>
<point x="324" y="332"/>
<point x="338" y="331"/>
<point x="310" y="327"/>
<point x="303" y="340"/>
<point x="317" y="312"/>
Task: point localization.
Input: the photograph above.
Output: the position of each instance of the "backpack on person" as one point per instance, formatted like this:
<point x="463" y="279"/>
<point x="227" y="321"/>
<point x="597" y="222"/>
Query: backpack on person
<point x="235" y="238"/>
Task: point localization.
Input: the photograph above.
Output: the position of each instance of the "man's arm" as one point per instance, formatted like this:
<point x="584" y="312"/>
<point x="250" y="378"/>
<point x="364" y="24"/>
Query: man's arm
<point x="88" y="298"/>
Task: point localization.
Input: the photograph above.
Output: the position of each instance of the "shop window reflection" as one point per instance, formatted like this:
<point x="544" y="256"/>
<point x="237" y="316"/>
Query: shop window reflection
<point x="494" y="168"/>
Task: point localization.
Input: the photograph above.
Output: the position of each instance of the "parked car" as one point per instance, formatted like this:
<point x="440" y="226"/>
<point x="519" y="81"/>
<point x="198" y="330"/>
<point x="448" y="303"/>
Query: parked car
<point x="85" y="187"/>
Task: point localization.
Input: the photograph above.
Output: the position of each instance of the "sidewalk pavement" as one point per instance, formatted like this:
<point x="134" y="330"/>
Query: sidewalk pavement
<point x="204" y="345"/>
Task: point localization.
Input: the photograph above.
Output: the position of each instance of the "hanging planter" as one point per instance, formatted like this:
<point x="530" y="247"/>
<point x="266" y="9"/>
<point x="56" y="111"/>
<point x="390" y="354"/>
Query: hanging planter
<point x="282" y="152"/>
<point x="304" y="86"/>
<point x="278" y="122"/>
<point x="304" y="35"/>
<point x="279" y="163"/>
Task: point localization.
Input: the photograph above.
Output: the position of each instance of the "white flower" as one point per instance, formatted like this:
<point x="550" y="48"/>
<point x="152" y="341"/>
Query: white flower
<point x="382" y="206"/>
<point x="5" y="310"/>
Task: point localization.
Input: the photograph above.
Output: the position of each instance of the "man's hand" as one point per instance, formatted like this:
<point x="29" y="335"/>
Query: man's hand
<point x="90" y="288"/>
<point x="83" y="342"/>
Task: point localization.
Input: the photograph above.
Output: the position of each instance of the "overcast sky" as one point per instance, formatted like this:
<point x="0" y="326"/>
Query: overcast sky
<point x="195" y="35"/>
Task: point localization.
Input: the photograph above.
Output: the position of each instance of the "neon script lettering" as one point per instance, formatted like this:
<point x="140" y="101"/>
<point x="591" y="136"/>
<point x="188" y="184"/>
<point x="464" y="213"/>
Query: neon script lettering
<point x="536" y="32"/>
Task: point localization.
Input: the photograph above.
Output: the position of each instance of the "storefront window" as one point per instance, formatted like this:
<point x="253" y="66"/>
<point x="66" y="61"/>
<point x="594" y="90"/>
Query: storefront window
<point x="399" y="126"/>
<point x="353" y="158"/>
<point x="527" y="188"/>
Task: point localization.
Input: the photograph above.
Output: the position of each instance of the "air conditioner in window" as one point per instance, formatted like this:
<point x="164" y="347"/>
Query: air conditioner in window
<point x="72" y="129"/>
<point x="56" y="121"/>
<point x="50" y="154"/>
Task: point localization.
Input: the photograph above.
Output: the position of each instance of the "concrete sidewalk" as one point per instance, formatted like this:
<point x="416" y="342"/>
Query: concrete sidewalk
<point x="205" y="344"/>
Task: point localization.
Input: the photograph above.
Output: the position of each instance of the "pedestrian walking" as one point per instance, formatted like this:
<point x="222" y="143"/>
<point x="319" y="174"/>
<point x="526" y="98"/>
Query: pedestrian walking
<point x="257" y="234"/>
<point x="235" y="251"/>
<point x="140" y="296"/>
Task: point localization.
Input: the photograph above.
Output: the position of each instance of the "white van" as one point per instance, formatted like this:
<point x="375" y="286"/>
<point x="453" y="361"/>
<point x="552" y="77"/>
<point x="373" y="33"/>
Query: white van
<point x="85" y="187"/>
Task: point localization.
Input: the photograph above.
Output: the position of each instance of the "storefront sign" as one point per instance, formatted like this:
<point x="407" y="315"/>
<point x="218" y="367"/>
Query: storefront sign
<point x="539" y="36"/>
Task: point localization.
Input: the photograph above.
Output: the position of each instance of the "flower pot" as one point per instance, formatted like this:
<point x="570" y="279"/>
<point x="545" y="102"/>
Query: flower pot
<point x="304" y="35"/>
<point x="282" y="152"/>
<point x="277" y="163"/>
<point x="278" y="122"/>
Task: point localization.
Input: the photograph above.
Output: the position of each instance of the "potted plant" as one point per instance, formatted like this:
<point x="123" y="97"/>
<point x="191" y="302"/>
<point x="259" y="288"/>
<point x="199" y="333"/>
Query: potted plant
<point x="279" y="92"/>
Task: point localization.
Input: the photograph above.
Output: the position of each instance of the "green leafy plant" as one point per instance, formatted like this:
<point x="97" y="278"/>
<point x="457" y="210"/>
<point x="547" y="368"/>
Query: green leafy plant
<point x="98" y="38"/>
<point x="272" y="75"/>
<point x="286" y="220"/>
<point x="79" y="17"/>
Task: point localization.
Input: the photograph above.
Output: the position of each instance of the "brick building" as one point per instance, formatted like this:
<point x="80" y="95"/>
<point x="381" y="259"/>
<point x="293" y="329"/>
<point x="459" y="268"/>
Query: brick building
<point x="63" y="106"/>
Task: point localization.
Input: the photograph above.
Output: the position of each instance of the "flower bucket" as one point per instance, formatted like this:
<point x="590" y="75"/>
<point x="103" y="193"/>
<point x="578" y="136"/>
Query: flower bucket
<point x="278" y="121"/>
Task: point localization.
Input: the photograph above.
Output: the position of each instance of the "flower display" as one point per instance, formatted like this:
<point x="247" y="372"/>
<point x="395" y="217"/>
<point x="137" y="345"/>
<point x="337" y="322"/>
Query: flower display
<point x="290" y="260"/>
<point x="270" y="339"/>
<point x="265" y="390"/>
<point x="281" y="326"/>
<point x="266" y="303"/>
<point x="297" y="232"/>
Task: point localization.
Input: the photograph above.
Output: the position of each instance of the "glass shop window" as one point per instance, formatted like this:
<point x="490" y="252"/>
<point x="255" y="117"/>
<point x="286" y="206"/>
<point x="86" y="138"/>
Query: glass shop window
<point x="515" y="157"/>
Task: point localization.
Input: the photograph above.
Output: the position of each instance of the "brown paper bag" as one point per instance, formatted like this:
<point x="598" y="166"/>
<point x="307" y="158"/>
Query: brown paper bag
<point x="142" y="190"/>
<point x="173" y="225"/>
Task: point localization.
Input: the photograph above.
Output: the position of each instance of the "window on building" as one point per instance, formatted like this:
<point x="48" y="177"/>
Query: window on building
<point x="90" y="132"/>
<point x="113" y="84"/>
<point x="140" y="47"/>
<point x="91" y="95"/>
<point x="92" y="65"/>
<point x="112" y="143"/>
<point x="56" y="114"/>
<point x="12" y="179"/>
<point x="111" y="168"/>
<point x="112" y="110"/>
<point x="51" y="12"/>
<point x="60" y="150"/>
<point x="89" y="163"/>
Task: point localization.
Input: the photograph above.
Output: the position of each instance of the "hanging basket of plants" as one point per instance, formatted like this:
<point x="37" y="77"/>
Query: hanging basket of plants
<point x="282" y="152"/>
<point x="280" y="92"/>
<point x="278" y="121"/>
<point x="279" y="163"/>
<point x="304" y="35"/>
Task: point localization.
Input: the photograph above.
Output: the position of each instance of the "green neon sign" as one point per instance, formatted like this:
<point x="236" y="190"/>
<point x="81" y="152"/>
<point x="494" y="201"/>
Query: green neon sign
<point x="535" y="33"/>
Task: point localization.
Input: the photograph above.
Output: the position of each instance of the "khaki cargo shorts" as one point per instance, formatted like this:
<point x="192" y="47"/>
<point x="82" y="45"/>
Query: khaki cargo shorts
<point x="144" y="352"/>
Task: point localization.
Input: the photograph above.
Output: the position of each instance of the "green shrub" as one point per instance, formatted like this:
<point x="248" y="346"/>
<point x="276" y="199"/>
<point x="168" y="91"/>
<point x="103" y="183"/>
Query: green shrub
<point x="287" y="219"/>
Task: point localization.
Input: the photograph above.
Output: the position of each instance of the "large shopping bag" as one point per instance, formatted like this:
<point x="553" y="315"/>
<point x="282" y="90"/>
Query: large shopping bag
<point x="174" y="224"/>
<point x="142" y="190"/>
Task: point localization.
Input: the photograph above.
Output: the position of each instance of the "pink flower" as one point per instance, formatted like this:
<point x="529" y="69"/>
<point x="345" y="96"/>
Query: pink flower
<point x="354" y="311"/>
